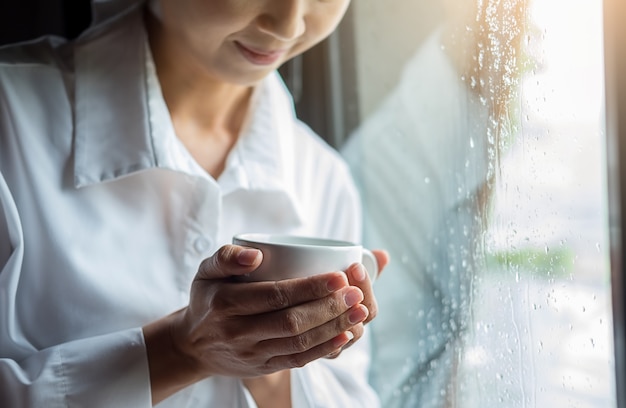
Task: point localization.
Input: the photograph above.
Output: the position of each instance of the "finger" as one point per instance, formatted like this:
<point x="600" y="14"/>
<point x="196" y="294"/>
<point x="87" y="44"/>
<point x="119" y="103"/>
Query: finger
<point x="302" y="358"/>
<point x="357" y="332"/>
<point x="229" y="260"/>
<point x="256" y="298"/>
<point x="382" y="258"/>
<point x="336" y="353"/>
<point x="332" y="315"/>
<point x="317" y="336"/>
<point x="358" y="277"/>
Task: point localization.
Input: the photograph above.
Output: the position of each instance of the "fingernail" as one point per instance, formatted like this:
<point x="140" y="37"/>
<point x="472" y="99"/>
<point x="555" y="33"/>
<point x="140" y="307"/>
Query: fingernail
<point x="357" y="316"/>
<point x="353" y="297"/>
<point x="247" y="257"/>
<point x="336" y="283"/>
<point x="340" y="341"/>
<point x="358" y="273"/>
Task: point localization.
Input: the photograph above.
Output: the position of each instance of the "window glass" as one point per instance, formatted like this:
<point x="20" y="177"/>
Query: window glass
<point x="480" y="156"/>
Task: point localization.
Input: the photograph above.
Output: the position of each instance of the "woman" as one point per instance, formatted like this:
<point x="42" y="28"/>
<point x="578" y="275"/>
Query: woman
<point x="127" y="158"/>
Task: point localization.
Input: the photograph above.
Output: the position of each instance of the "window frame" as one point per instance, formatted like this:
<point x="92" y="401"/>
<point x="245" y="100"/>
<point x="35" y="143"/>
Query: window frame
<point x="615" y="88"/>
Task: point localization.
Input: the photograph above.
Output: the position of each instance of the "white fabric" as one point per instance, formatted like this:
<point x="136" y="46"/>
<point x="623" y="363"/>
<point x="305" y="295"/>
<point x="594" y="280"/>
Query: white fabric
<point x="105" y="217"/>
<point x="420" y="162"/>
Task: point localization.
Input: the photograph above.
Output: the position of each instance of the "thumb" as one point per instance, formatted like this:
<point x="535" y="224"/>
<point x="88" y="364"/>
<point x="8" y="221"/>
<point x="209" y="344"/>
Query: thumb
<point x="230" y="260"/>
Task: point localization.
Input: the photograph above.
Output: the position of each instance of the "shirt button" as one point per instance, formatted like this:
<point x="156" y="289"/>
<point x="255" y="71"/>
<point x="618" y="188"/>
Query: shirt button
<point x="201" y="245"/>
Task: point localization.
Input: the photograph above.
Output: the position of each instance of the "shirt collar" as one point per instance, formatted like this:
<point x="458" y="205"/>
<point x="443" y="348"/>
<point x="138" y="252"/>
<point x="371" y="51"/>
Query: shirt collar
<point x="102" y="10"/>
<point x="127" y="128"/>
<point x="111" y="115"/>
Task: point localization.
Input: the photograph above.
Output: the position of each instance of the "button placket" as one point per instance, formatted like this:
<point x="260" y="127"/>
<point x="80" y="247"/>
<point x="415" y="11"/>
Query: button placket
<point x="201" y="244"/>
<point x="203" y="219"/>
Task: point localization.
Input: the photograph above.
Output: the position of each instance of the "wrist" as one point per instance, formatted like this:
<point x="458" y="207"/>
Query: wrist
<point x="271" y="390"/>
<point x="171" y="367"/>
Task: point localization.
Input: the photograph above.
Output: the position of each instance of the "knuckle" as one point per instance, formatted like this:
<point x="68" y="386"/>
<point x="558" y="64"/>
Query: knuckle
<point x="292" y="322"/>
<point x="205" y="264"/>
<point x="337" y="304"/>
<point x="233" y="332"/>
<point x="223" y="303"/>
<point x="224" y="254"/>
<point x="341" y="324"/>
<point x="300" y="344"/>
<point x="316" y="286"/>
<point x="297" y="361"/>
<point x="277" y="298"/>
<point x="248" y="355"/>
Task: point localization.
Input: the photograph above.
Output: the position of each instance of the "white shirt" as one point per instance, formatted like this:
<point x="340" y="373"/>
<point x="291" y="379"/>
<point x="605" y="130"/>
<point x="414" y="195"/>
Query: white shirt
<point x="105" y="217"/>
<point x="421" y="161"/>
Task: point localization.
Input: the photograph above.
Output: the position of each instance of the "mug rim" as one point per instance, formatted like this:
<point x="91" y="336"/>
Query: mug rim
<point x="296" y="240"/>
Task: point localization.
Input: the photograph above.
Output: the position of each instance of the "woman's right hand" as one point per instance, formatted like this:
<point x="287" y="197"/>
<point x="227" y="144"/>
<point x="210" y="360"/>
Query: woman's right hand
<point x="247" y="330"/>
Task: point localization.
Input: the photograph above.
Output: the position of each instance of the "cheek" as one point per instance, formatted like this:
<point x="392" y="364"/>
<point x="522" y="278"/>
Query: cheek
<point x="325" y="20"/>
<point x="318" y="28"/>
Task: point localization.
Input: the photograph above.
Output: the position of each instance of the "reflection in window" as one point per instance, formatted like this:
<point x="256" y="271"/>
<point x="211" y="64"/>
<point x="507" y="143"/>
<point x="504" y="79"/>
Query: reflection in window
<point x="480" y="158"/>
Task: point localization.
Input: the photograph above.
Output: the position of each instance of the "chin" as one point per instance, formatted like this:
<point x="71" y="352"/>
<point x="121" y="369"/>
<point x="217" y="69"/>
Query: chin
<point x="246" y="77"/>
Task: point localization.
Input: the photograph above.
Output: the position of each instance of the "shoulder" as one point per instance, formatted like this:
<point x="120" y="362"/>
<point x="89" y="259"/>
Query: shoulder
<point x="35" y="97"/>
<point x="47" y="51"/>
<point x="31" y="71"/>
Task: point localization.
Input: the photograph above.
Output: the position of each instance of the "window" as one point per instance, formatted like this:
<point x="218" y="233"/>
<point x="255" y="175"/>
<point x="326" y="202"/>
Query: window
<point x="476" y="133"/>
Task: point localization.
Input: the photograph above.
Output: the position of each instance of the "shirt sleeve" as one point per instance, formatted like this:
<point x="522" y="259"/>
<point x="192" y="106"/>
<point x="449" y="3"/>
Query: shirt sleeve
<point x="110" y="370"/>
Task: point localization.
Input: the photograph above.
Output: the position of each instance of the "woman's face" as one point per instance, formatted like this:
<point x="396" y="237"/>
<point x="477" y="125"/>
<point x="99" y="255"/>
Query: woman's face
<point x="241" y="41"/>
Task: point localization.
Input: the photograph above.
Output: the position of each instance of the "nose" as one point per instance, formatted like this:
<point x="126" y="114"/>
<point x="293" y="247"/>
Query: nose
<point x="283" y="19"/>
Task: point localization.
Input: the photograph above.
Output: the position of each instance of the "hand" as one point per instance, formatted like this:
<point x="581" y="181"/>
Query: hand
<point x="249" y="329"/>
<point x="358" y="276"/>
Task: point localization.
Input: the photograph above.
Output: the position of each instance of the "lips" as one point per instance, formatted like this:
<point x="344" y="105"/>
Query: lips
<point x="257" y="56"/>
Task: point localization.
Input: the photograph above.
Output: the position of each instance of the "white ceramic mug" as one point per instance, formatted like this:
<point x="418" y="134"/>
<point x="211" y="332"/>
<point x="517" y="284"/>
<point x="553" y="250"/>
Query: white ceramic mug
<point x="290" y="256"/>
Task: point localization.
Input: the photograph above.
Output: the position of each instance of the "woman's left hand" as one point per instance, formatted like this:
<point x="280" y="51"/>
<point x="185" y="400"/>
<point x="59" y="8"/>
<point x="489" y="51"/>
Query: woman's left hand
<point x="358" y="276"/>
